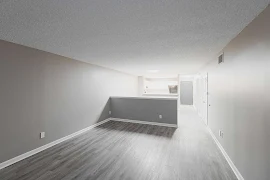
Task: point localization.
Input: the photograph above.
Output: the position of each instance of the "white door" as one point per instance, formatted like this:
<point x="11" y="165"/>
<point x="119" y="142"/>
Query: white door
<point x="205" y="99"/>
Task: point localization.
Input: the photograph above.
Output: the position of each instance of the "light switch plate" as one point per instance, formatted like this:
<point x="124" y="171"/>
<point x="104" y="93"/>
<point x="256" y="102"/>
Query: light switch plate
<point x="42" y="135"/>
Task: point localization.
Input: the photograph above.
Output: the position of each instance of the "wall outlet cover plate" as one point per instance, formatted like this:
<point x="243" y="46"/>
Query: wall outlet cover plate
<point x="42" y="135"/>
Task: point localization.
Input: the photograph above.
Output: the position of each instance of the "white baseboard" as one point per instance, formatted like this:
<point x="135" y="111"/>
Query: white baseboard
<point x="235" y="170"/>
<point x="42" y="148"/>
<point x="145" y="122"/>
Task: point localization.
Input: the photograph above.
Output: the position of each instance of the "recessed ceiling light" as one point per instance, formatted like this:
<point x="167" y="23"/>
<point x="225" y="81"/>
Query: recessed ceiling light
<point x="153" y="71"/>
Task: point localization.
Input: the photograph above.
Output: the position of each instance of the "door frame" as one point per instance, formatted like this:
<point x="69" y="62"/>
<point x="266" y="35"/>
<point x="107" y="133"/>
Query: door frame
<point x="206" y="100"/>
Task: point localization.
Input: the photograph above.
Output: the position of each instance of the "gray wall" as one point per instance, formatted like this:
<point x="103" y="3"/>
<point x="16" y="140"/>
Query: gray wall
<point x="186" y="92"/>
<point x="145" y="109"/>
<point x="240" y="99"/>
<point x="45" y="92"/>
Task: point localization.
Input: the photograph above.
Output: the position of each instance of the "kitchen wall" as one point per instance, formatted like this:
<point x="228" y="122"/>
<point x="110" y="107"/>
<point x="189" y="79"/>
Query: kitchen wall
<point x="44" y="92"/>
<point x="158" y="86"/>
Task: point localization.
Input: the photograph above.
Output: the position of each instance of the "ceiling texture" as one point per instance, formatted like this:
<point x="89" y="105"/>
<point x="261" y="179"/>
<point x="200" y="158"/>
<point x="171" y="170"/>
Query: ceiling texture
<point x="132" y="36"/>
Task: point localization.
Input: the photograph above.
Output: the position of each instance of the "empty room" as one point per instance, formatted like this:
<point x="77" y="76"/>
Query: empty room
<point x="134" y="90"/>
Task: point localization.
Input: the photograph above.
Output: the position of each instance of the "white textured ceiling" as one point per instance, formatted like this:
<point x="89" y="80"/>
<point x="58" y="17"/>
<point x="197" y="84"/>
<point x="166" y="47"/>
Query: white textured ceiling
<point x="133" y="36"/>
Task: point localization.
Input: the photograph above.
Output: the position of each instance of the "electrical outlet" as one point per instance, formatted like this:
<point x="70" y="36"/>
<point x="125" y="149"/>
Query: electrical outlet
<point x="110" y="112"/>
<point x="221" y="134"/>
<point x="160" y="116"/>
<point x="42" y="135"/>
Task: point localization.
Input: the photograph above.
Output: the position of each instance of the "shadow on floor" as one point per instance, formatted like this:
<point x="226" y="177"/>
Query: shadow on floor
<point x="151" y="130"/>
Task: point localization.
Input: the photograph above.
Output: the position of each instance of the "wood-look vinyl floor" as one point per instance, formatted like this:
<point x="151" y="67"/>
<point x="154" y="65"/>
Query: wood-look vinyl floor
<point x="128" y="151"/>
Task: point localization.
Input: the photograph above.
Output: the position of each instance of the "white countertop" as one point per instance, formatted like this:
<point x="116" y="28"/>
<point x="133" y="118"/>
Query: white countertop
<point x="146" y="97"/>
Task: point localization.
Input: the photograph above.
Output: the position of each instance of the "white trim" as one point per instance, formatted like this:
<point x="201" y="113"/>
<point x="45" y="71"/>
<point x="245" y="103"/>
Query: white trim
<point x="144" y="122"/>
<point x="148" y="97"/>
<point x="42" y="148"/>
<point x="162" y="95"/>
<point x="235" y="170"/>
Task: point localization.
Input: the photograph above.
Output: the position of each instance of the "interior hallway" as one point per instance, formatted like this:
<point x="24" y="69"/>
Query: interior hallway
<point x="121" y="150"/>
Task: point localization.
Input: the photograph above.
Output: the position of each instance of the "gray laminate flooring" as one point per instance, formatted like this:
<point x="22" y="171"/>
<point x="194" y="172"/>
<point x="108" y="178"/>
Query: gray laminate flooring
<point x="128" y="151"/>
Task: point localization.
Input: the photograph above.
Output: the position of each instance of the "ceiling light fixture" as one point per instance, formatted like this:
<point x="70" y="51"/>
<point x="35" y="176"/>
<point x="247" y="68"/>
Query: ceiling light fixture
<point x="153" y="71"/>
